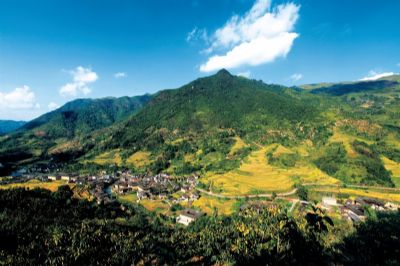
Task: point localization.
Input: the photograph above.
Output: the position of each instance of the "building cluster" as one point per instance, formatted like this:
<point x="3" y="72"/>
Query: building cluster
<point x="356" y="210"/>
<point x="160" y="186"/>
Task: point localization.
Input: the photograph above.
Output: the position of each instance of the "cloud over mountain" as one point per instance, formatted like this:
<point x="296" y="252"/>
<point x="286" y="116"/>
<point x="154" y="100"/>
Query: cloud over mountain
<point x="81" y="78"/>
<point x="262" y="35"/>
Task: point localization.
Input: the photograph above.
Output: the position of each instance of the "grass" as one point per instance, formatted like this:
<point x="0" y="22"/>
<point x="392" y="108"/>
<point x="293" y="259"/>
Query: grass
<point x="32" y="184"/>
<point x="209" y="204"/>
<point x="394" y="167"/>
<point x="139" y="159"/>
<point x="256" y="173"/>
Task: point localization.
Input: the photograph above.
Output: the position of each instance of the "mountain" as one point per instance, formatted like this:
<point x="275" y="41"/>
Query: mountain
<point x="218" y="102"/>
<point x="201" y="120"/>
<point x="60" y="127"/>
<point x="338" y="89"/>
<point x="344" y="132"/>
<point x="85" y="115"/>
<point x="7" y="126"/>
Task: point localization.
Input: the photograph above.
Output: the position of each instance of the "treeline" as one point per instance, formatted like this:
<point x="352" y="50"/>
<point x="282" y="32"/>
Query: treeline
<point x="38" y="227"/>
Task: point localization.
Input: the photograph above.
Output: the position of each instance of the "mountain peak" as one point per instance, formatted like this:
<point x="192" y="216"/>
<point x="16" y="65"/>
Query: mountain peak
<point x="223" y="72"/>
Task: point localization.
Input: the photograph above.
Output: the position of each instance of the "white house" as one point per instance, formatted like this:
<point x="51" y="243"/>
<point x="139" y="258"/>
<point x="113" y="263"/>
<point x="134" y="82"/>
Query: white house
<point x="188" y="216"/>
<point x="329" y="202"/>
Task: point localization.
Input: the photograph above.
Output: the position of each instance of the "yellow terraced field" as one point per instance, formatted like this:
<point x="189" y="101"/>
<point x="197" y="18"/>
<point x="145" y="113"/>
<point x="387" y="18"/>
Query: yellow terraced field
<point x="139" y="159"/>
<point x="239" y="144"/>
<point x="256" y="174"/>
<point x="128" y="198"/>
<point x="155" y="205"/>
<point x="208" y="204"/>
<point x="32" y="184"/>
<point x="345" y="139"/>
<point x="394" y="168"/>
<point x="111" y="157"/>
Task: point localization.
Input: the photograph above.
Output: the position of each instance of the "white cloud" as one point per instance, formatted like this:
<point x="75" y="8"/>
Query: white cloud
<point x="52" y="106"/>
<point x="296" y="77"/>
<point x="197" y="35"/>
<point x="120" y="75"/>
<point x="19" y="98"/>
<point x="81" y="78"/>
<point x="245" y="74"/>
<point x="373" y="75"/>
<point x="262" y="35"/>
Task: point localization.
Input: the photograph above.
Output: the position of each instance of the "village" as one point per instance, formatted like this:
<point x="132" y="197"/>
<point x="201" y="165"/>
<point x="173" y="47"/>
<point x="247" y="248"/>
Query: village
<point x="107" y="187"/>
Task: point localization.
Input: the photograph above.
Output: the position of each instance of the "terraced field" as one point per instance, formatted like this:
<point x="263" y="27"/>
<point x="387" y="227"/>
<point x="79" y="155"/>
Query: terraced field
<point x="256" y="175"/>
<point x="208" y="204"/>
<point x="111" y="157"/>
<point x="32" y="184"/>
<point x="394" y="167"/>
<point x="139" y="159"/>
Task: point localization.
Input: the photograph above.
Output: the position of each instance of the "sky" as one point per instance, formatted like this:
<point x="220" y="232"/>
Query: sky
<point x="52" y="52"/>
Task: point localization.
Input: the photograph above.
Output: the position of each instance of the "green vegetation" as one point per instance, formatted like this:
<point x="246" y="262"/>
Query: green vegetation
<point x="40" y="227"/>
<point x="238" y="133"/>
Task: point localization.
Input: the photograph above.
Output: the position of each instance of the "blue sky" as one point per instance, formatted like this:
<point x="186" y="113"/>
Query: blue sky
<point x="54" y="51"/>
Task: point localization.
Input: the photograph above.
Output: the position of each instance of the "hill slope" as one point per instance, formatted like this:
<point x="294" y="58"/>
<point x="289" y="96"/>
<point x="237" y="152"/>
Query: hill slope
<point x="7" y="126"/>
<point x="64" y="127"/>
<point x="85" y="115"/>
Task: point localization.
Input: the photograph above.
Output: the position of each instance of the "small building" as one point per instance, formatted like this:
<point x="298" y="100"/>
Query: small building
<point x="329" y="202"/>
<point x="194" y="196"/>
<point x="65" y="177"/>
<point x="185" y="189"/>
<point x="54" y="177"/>
<point x="189" y="215"/>
<point x="392" y="206"/>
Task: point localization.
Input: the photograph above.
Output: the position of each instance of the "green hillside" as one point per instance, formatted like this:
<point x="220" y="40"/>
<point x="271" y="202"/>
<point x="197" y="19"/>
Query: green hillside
<point x="85" y="115"/>
<point x="230" y="129"/>
<point x="64" y="128"/>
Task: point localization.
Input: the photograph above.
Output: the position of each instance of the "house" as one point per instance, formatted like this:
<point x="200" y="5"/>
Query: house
<point x="194" y="196"/>
<point x="184" y="197"/>
<point x="162" y="196"/>
<point x="189" y="215"/>
<point x="328" y="202"/>
<point x="185" y="189"/>
<point x="392" y="206"/>
<point x="142" y="195"/>
<point x="65" y="177"/>
<point x="373" y="203"/>
<point x="353" y="212"/>
<point x="54" y="177"/>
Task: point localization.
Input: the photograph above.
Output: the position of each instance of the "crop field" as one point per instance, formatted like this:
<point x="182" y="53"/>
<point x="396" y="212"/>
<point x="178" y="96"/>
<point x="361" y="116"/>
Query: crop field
<point x="345" y="139"/>
<point x="127" y="198"/>
<point x="394" y="167"/>
<point x="256" y="174"/>
<point x="111" y="157"/>
<point x="32" y="184"/>
<point x="139" y="159"/>
<point x="209" y="204"/>
<point x="159" y="206"/>
<point x="239" y="143"/>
